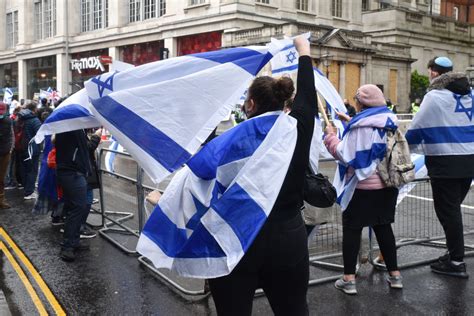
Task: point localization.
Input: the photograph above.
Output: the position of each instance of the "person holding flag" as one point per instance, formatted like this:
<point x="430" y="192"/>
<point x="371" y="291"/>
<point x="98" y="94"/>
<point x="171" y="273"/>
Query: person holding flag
<point x="443" y="131"/>
<point x="277" y="259"/>
<point x="362" y="148"/>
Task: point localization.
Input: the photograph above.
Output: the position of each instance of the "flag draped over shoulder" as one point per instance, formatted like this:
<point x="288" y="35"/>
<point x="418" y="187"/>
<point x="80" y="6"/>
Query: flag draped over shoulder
<point x="163" y="111"/>
<point x="215" y="206"/>
<point x="363" y="146"/>
<point x="444" y="125"/>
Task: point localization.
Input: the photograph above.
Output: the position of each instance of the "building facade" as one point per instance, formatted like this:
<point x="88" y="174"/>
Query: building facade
<point x="61" y="43"/>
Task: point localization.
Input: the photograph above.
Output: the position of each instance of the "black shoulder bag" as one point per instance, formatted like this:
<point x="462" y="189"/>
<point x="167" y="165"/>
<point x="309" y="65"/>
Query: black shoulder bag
<point x="318" y="191"/>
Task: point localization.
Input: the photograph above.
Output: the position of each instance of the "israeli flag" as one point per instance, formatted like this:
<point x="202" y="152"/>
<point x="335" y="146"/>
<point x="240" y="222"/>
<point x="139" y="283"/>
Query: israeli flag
<point x="363" y="146"/>
<point x="72" y="114"/>
<point x="215" y="206"/>
<point x="286" y="63"/>
<point x="110" y="156"/>
<point x="444" y="125"/>
<point x="162" y="112"/>
<point x="7" y="96"/>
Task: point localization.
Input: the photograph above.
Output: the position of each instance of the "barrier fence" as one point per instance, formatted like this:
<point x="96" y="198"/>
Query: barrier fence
<point x="416" y="225"/>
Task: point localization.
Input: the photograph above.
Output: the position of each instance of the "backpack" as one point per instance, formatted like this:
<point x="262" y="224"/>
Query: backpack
<point x="20" y="137"/>
<point x="396" y="168"/>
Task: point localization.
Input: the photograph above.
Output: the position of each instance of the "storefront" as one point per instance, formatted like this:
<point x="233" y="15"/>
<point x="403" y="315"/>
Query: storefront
<point x="9" y="78"/>
<point x="199" y="43"/>
<point x="85" y="65"/>
<point x="142" y="53"/>
<point x="41" y="75"/>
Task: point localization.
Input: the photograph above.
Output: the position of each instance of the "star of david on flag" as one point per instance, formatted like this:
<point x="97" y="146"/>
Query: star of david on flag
<point x="460" y="108"/>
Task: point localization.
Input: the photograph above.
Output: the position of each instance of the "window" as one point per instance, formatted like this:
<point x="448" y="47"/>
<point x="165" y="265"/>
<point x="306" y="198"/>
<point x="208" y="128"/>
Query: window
<point x="336" y="8"/>
<point x="385" y="4"/>
<point x="45" y="18"/>
<point x="146" y="9"/>
<point x="456" y="13"/>
<point x="302" y="5"/>
<point x="263" y="1"/>
<point x="12" y="29"/>
<point x="194" y="2"/>
<point x="94" y="15"/>
<point x="365" y="5"/>
<point x="435" y="7"/>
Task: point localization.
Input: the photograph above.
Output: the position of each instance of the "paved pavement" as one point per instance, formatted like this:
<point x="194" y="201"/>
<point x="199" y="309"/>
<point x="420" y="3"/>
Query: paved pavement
<point x="106" y="281"/>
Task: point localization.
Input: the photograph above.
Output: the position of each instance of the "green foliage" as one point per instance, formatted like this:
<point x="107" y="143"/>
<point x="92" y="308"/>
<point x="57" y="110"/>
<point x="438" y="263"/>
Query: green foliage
<point x="418" y="85"/>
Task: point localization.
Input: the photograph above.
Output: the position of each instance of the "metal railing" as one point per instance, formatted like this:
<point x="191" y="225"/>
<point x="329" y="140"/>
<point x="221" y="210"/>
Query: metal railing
<point x="415" y="224"/>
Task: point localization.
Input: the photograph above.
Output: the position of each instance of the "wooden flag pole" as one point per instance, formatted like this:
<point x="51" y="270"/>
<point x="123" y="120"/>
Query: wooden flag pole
<point x="322" y="110"/>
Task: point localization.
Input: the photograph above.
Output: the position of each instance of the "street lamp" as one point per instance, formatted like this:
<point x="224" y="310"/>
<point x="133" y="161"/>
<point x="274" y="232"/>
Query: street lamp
<point x="326" y="62"/>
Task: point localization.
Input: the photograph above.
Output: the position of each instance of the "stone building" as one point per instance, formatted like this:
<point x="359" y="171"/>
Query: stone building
<point x="60" y="43"/>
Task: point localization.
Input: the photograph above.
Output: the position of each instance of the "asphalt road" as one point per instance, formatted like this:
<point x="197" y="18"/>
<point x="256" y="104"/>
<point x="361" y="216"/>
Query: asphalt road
<point x="106" y="281"/>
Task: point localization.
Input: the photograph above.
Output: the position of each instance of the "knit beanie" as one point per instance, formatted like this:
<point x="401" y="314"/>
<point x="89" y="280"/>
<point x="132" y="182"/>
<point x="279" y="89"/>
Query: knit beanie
<point x="370" y="95"/>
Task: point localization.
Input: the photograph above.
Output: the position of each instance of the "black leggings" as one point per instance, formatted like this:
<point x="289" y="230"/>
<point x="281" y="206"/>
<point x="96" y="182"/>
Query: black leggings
<point x="351" y="245"/>
<point x="277" y="262"/>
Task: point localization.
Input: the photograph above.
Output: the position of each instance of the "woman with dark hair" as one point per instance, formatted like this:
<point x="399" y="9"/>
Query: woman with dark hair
<point x="277" y="260"/>
<point x="364" y="198"/>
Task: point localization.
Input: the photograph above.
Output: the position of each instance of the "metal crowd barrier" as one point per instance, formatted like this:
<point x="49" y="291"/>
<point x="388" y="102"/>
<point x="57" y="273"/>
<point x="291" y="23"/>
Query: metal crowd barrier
<point x="415" y="224"/>
<point x="115" y="222"/>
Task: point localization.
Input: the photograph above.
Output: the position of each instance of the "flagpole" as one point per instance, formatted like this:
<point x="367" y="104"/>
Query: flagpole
<point x="322" y="110"/>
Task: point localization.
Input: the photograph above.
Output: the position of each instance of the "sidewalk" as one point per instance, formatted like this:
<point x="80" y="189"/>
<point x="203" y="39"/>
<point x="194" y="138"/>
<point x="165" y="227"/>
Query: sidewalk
<point x="105" y="281"/>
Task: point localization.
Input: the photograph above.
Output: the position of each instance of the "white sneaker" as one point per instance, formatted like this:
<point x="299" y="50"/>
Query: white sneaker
<point x="32" y="196"/>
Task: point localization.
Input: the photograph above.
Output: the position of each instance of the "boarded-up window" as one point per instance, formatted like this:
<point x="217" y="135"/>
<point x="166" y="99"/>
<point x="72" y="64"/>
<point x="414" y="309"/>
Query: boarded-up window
<point x="334" y="74"/>
<point x="352" y="80"/>
<point x="393" y="86"/>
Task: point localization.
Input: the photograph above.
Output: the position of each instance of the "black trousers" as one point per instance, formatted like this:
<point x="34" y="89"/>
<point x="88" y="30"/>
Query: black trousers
<point x="351" y="246"/>
<point x="74" y="186"/>
<point x="277" y="261"/>
<point x="448" y="195"/>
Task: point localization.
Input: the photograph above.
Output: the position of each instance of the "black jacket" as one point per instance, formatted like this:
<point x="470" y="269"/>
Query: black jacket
<point x="451" y="166"/>
<point x="73" y="151"/>
<point x="31" y="125"/>
<point x="6" y="136"/>
<point x="290" y="198"/>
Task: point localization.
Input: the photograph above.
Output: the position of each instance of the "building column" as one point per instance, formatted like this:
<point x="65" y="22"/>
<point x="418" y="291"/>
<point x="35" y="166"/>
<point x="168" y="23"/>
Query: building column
<point x="62" y="75"/>
<point x="342" y="79"/>
<point x="22" y="80"/>
<point x="172" y="45"/>
<point x="114" y="53"/>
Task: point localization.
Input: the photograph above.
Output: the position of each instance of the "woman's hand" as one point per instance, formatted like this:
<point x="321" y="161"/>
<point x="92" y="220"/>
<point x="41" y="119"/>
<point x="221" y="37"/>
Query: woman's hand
<point x="302" y="45"/>
<point x="330" y="130"/>
<point x="343" y="116"/>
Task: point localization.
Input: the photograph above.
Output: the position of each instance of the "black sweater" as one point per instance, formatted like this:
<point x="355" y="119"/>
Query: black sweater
<point x="73" y="151"/>
<point x="290" y="198"/>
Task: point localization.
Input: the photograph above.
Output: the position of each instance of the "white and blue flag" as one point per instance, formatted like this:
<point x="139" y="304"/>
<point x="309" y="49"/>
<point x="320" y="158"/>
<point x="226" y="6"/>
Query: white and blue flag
<point x="420" y="173"/>
<point x="286" y="63"/>
<point x="444" y="125"/>
<point x="72" y="114"/>
<point x="363" y="146"/>
<point x="215" y="206"/>
<point x="162" y="112"/>
<point x="7" y="96"/>
<point x="111" y="155"/>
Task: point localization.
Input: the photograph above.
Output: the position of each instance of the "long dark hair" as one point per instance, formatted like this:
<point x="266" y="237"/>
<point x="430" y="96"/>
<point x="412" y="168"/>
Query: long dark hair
<point x="270" y="94"/>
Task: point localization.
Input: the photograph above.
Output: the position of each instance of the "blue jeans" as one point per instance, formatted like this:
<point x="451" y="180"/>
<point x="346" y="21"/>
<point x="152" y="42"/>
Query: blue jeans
<point x="29" y="173"/>
<point x="74" y="186"/>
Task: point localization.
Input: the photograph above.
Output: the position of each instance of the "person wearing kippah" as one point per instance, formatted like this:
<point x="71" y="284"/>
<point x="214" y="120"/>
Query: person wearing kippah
<point x="443" y="131"/>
